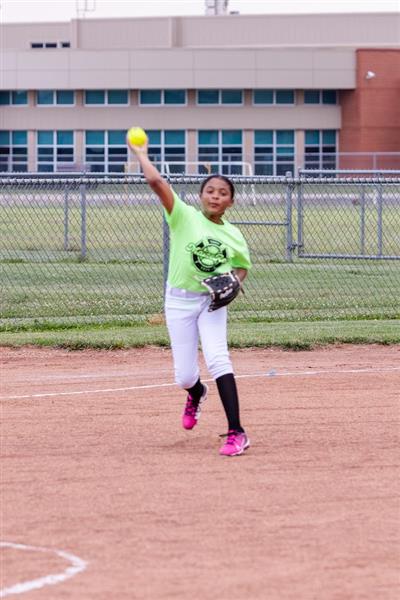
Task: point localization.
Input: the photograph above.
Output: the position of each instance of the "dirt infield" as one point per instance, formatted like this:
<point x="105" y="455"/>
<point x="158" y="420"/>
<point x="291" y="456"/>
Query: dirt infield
<point x="104" y="496"/>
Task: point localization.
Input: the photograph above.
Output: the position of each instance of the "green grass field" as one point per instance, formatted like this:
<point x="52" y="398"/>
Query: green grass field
<point x="294" y="336"/>
<point x="274" y="291"/>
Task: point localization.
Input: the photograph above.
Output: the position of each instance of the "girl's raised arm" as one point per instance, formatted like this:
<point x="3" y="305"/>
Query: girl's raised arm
<point x="153" y="176"/>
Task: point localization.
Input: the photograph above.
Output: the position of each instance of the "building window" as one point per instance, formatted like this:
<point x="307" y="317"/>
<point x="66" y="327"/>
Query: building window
<point x="35" y="45"/>
<point x="225" y="97"/>
<point x="106" y="151"/>
<point x="64" y="97"/>
<point x="231" y="97"/>
<point x="274" y="151"/>
<point x="312" y="96"/>
<point x="207" y="96"/>
<point x="219" y="151"/>
<point x="167" y="149"/>
<point x="45" y="97"/>
<point x="329" y="97"/>
<point x="106" y="97"/>
<point x="320" y="97"/>
<point x="95" y="97"/>
<point x="116" y="151"/>
<point x="284" y="96"/>
<point x="118" y="97"/>
<point x="55" y="150"/>
<point x="14" y="97"/>
<point x="150" y="96"/>
<point x="320" y="149"/>
<point x="55" y="97"/>
<point x="13" y="151"/>
<point x="174" y="96"/>
<point x="95" y="150"/>
<point x="261" y="97"/>
<point x="162" y="97"/>
<point x="19" y="97"/>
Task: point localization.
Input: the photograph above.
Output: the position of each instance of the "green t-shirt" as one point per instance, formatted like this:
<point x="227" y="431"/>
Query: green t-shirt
<point x="200" y="248"/>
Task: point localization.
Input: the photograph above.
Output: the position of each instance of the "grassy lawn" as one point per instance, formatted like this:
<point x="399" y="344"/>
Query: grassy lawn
<point x="300" y="335"/>
<point x="274" y="291"/>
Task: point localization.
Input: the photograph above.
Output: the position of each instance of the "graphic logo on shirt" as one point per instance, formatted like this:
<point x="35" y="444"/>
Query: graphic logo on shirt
<point x="208" y="254"/>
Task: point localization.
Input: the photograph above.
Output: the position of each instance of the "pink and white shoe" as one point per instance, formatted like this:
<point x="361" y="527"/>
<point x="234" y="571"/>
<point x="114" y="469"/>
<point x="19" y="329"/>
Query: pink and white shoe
<point x="236" y="443"/>
<point x="192" y="410"/>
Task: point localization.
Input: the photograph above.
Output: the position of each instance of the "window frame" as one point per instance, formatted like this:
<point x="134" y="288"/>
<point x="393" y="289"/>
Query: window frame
<point x="54" y="97"/>
<point x="290" y="159"/>
<point x="106" y="102"/>
<point x="54" y="162"/>
<point x="220" y="149"/>
<point x="106" y="154"/>
<point x="119" y="104"/>
<point x="11" y="98"/>
<point x="274" y="95"/>
<point x="321" y="98"/>
<point x="220" y="103"/>
<point x="158" y="151"/>
<point x="320" y="154"/>
<point x="162" y="98"/>
<point x="11" y="157"/>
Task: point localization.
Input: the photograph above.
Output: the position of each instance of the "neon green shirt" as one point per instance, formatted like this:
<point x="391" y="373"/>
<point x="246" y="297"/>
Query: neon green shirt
<point x="200" y="248"/>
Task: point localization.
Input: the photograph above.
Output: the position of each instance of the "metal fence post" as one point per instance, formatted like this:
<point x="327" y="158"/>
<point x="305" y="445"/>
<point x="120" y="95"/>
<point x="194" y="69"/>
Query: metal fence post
<point x="362" y="220"/>
<point x="380" y="215"/>
<point x="289" y="225"/>
<point x="82" y="189"/>
<point x="66" y="221"/>
<point x="300" y="243"/>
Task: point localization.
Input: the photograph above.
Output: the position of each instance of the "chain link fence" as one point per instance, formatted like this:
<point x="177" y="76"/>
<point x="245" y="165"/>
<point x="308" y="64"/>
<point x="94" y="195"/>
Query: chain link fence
<point x="95" y="249"/>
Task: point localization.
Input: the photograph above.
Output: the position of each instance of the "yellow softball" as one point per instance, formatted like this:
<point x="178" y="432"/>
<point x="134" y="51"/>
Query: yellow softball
<point x="136" y="136"/>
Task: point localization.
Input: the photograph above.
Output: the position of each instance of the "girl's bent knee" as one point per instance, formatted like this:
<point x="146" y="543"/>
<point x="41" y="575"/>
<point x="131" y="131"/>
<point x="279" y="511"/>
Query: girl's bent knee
<point x="185" y="382"/>
<point x="219" y="368"/>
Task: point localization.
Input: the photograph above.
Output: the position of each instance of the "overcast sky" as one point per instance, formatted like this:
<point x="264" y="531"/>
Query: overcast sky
<point x="61" y="10"/>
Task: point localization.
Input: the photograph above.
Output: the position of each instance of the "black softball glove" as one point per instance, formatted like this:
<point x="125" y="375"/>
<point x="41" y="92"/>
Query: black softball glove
<point x="223" y="289"/>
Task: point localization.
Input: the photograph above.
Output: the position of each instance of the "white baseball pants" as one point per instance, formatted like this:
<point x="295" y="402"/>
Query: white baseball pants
<point x="188" y="319"/>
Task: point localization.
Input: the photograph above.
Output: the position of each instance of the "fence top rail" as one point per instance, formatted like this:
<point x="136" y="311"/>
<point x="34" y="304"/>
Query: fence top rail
<point x="79" y="179"/>
<point x="395" y="172"/>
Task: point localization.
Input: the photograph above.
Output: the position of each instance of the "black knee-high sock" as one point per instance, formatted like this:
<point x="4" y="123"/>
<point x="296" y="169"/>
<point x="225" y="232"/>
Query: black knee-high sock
<point x="228" y="392"/>
<point x="196" y="390"/>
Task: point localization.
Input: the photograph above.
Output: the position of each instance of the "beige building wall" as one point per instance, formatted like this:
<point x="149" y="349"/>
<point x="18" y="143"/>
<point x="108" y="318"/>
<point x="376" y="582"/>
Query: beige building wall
<point x="190" y="117"/>
<point x="147" y="69"/>
<point x="254" y="51"/>
<point x="310" y="30"/>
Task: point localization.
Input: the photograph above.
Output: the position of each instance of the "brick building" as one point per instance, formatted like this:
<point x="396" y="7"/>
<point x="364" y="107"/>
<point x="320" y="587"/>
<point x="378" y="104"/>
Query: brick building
<point x="262" y="94"/>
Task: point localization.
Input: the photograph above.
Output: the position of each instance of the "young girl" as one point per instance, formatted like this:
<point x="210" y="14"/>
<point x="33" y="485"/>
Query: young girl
<point x="202" y="244"/>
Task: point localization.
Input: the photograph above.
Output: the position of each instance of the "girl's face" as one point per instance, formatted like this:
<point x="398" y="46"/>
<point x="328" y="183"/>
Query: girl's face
<point x="215" y="199"/>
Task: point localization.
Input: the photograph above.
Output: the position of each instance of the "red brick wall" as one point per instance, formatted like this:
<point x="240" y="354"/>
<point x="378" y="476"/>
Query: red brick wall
<point x="371" y="112"/>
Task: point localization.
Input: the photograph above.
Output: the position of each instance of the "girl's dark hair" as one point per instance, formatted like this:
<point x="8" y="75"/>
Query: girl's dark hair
<point x="223" y="178"/>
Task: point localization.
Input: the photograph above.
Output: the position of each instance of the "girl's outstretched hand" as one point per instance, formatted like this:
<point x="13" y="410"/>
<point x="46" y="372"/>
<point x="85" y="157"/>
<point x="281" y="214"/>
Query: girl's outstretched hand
<point x="138" y="150"/>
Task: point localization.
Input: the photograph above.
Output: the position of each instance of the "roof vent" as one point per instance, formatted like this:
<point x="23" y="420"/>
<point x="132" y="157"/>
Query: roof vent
<point x="216" y="7"/>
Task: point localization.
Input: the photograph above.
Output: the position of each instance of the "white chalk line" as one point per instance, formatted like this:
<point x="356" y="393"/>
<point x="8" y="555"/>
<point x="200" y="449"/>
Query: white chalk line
<point x="269" y="374"/>
<point x="77" y="566"/>
<point x="111" y="375"/>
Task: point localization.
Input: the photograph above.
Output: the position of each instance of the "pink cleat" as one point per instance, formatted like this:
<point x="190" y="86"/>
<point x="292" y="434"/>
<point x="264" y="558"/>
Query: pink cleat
<point x="237" y="442"/>
<point x="193" y="409"/>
